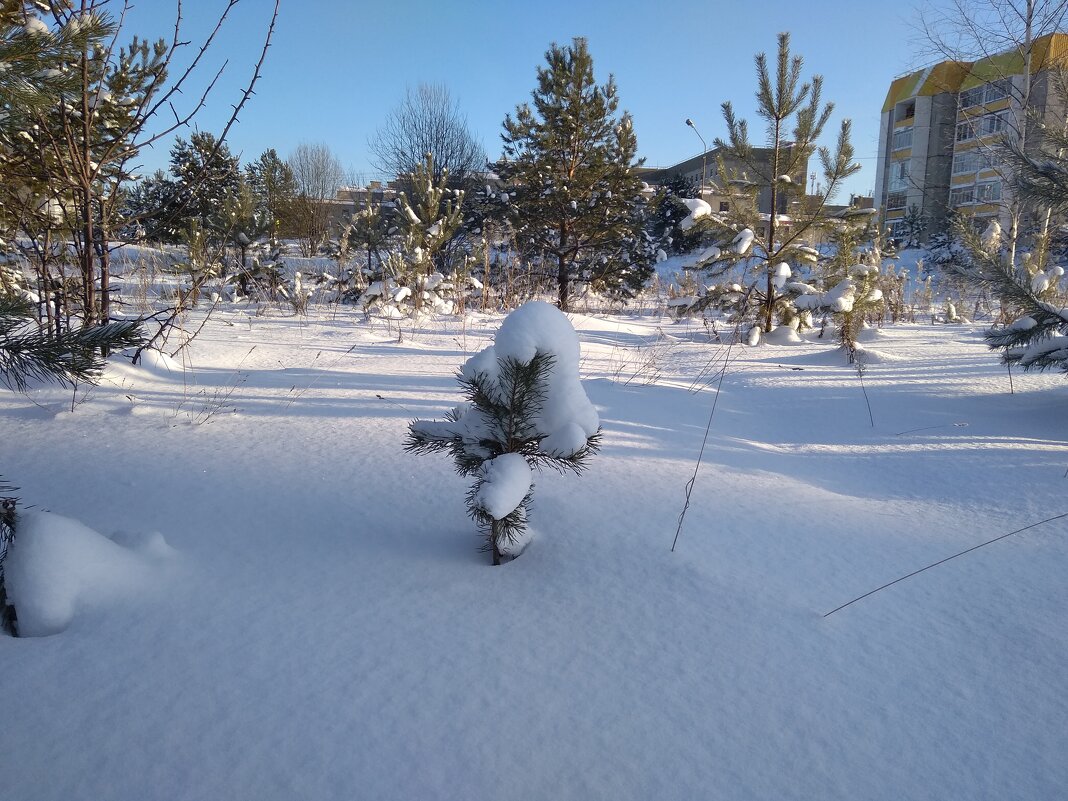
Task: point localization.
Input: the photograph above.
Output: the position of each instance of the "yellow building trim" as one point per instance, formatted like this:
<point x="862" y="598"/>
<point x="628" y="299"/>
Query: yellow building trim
<point x="943" y="77"/>
<point x="1047" y="52"/>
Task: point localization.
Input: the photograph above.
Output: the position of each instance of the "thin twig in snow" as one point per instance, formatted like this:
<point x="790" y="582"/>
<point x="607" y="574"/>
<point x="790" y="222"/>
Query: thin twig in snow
<point x="943" y="561"/>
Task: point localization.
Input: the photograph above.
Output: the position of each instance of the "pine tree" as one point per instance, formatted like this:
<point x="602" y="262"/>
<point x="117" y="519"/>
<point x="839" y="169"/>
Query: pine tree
<point x="425" y="222"/>
<point x="525" y="409"/>
<point x="28" y="353"/>
<point x="781" y="177"/>
<point x="274" y="189"/>
<point x="1033" y="299"/>
<point x="849" y="281"/>
<point x="1029" y="285"/>
<point x="568" y="167"/>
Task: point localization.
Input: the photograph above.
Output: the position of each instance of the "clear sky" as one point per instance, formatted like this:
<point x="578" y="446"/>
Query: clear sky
<point x="337" y="67"/>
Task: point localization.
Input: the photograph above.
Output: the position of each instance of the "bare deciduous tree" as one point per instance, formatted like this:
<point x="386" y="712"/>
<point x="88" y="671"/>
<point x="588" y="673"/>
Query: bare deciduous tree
<point x="88" y="139"/>
<point x="318" y="176"/>
<point x="428" y="120"/>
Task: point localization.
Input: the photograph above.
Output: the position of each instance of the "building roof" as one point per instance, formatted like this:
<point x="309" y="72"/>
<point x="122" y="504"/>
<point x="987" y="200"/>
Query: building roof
<point x="954" y="76"/>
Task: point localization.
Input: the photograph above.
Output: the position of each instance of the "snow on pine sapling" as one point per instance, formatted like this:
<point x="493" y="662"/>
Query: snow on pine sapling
<point x="525" y="409"/>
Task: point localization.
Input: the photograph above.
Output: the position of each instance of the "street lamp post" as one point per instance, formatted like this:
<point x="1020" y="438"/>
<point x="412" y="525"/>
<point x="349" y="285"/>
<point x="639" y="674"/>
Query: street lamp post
<point x="704" y="156"/>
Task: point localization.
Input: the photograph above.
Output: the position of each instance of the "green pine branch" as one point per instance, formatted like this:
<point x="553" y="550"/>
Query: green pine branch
<point x="28" y="353"/>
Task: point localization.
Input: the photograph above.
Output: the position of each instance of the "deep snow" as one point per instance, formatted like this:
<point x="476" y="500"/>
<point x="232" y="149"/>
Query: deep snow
<point x="326" y="627"/>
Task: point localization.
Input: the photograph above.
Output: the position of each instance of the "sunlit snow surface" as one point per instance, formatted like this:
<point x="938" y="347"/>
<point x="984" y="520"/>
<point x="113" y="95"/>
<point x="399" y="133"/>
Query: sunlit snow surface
<point x="326" y="627"/>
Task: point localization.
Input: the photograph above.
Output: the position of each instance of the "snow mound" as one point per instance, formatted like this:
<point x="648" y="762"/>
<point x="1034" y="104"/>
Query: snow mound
<point x="782" y="335"/>
<point x="698" y="209"/>
<point x="58" y="566"/>
<point x="869" y="356"/>
<point x="539" y="327"/>
<point x="159" y="362"/>
<point x="505" y="483"/>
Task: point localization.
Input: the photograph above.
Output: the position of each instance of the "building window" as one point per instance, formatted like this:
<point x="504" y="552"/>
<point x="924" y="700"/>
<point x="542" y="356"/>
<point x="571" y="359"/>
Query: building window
<point x="895" y="200"/>
<point x="962" y="196"/>
<point x="899" y="175"/>
<point x="972" y="161"/>
<point x="902" y="139"/>
<point x="996" y="90"/>
<point x="964" y="162"/>
<point x="965" y="131"/>
<point x="987" y="93"/>
<point x="988" y="192"/>
<point x="905" y="111"/>
<point x="992" y="123"/>
<point x="970" y="98"/>
<point x="724" y="205"/>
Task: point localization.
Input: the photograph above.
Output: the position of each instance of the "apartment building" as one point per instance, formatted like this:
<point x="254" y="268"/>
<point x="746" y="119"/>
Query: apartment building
<point x="941" y="126"/>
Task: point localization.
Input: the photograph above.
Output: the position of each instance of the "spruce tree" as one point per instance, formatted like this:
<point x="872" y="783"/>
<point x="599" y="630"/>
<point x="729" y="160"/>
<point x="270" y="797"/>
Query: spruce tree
<point x="568" y="168"/>
<point x="794" y="116"/>
<point x="668" y="211"/>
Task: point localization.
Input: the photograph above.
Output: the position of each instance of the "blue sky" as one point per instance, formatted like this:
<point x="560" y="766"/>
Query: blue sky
<point x="337" y="68"/>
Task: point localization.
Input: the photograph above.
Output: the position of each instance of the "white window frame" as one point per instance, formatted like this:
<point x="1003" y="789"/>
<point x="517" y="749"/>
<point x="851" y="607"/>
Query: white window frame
<point x="996" y="90"/>
<point x="902" y="139"/>
<point x="965" y="162"/>
<point x="970" y="98"/>
<point x="988" y="191"/>
<point x="900" y="172"/>
<point x="964" y="196"/>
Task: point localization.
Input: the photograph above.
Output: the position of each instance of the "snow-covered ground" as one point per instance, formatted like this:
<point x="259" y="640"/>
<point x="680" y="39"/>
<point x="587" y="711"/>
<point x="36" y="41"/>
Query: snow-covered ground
<point x="292" y="607"/>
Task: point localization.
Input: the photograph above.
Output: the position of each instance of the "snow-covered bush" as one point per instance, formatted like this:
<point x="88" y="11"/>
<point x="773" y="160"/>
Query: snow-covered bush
<point x="525" y="409"/>
<point x="849" y="292"/>
<point x="426" y="221"/>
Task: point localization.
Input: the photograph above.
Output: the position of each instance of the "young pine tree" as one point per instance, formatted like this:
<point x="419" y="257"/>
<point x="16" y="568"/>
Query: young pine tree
<point x="525" y="409"/>
<point x="794" y="117"/>
<point x="849" y="278"/>
<point x="568" y="168"/>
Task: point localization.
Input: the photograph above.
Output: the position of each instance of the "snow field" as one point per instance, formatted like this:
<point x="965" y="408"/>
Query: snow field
<point x="334" y="633"/>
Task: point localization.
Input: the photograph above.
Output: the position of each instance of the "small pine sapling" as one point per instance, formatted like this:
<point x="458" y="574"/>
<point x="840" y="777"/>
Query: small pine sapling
<point x="525" y="409"/>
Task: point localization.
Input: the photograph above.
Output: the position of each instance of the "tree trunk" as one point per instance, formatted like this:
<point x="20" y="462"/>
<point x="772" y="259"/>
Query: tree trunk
<point x="563" y="272"/>
<point x="769" y="298"/>
<point x="8" y="617"/>
<point x="562" y="285"/>
<point x="105" y="278"/>
<point x="494" y="535"/>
